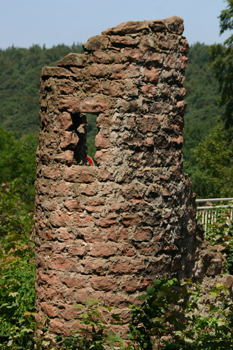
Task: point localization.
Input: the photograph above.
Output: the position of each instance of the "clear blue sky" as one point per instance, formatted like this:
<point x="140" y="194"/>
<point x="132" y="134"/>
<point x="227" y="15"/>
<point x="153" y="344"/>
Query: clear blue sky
<point x="51" y="22"/>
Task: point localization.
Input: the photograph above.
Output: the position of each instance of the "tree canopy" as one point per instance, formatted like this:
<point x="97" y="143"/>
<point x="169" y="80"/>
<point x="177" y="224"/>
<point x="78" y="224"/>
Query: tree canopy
<point x="221" y="57"/>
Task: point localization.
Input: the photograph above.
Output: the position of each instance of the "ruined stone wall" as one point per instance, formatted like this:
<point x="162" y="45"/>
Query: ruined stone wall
<point x="106" y="231"/>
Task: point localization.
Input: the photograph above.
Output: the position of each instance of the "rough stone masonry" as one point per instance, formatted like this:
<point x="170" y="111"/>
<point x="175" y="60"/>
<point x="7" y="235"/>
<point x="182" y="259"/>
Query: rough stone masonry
<point x="106" y="231"/>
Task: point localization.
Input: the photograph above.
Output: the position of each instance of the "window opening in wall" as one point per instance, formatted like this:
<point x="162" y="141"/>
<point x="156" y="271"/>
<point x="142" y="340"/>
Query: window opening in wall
<point x="91" y="134"/>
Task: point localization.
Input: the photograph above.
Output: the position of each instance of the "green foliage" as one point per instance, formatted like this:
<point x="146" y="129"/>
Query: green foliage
<point x="91" y="134"/>
<point x="212" y="176"/>
<point x="96" y="331"/>
<point x="168" y="318"/>
<point x="17" y="273"/>
<point x="221" y="57"/>
<point x="18" y="164"/>
<point x="220" y="231"/>
<point x="202" y="95"/>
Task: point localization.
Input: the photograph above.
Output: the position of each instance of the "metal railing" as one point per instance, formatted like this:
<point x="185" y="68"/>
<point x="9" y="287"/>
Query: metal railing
<point x="207" y="214"/>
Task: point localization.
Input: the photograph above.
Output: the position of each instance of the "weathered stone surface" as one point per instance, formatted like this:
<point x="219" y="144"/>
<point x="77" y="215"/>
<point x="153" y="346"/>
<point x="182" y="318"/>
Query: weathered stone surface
<point x="106" y="231"/>
<point x="173" y="24"/>
<point x="73" y="59"/>
<point x="98" y="42"/>
<point x="127" y="28"/>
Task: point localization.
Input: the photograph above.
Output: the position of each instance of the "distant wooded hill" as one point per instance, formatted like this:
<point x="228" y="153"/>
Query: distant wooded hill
<point x="20" y="71"/>
<point x="19" y="92"/>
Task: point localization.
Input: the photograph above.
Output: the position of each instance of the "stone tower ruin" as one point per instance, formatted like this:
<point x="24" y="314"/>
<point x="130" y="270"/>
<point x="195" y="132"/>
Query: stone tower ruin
<point x="106" y="231"/>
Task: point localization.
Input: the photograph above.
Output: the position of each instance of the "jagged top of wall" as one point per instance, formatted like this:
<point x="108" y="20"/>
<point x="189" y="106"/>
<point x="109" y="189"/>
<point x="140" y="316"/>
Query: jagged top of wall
<point x="173" y="24"/>
<point x="123" y="34"/>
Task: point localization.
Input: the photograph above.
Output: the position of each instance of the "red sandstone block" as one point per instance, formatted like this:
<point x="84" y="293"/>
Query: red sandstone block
<point x="124" y="206"/>
<point x="105" y="57"/>
<point x="62" y="121"/>
<point x="118" y="71"/>
<point x="149" y="141"/>
<point x="103" y="120"/>
<point x="103" y="156"/>
<point x="96" y="267"/>
<point x="130" y="55"/>
<point x="73" y="59"/>
<point x="129" y="286"/>
<point x="96" y="201"/>
<point x="102" y="250"/>
<point x="66" y="157"/>
<point x="57" y="327"/>
<point x="68" y="312"/>
<point x="129" y="27"/>
<point x="149" y="250"/>
<point x="84" y="174"/>
<point x="114" y="89"/>
<point x="182" y="79"/>
<point x="77" y="282"/>
<point x="55" y="72"/>
<point x="97" y="42"/>
<point x="99" y="70"/>
<point x="54" y="295"/>
<point x="92" y="105"/>
<point x="107" y="189"/>
<point x="72" y="205"/>
<point x="69" y="140"/>
<point x="91" y="236"/>
<point x="127" y="267"/>
<point x="66" y="88"/>
<point x="151" y="75"/>
<point x="51" y="173"/>
<point x="62" y="264"/>
<point x="127" y="250"/>
<point x="49" y="205"/>
<point x="51" y="279"/>
<point x="113" y="233"/>
<point x="41" y="262"/>
<point x="63" y="188"/>
<point x="88" y="190"/>
<point x="104" y="175"/>
<point x="49" y="235"/>
<point x="108" y="221"/>
<point x="130" y="88"/>
<point x="142" y="235"/>
<point x="101" y="141"/>
<point x="133" y="71"/>
<point x="94" y="208"/>
<point x="181" y="105"/>
<point x="184" y="48"/>
<point x="59" y="219"/>
<point x="104" y="283"/>
<point x="118" y="300"/>
<point x="77" y="251"/>
<point x="84" y="221"/>
<point x="149" y="90"/>
<point x="130" y="220"/>
<point x="126" y="40"/>
<point x="64" y="235"/>
<point x="79" y="297"/>
<point x="48" y="309"/>
<point x="40" y="292"/>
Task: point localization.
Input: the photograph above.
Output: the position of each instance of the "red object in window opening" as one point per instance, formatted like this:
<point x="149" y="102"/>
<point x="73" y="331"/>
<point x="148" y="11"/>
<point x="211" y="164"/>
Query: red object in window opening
<point x="91" y="162"/>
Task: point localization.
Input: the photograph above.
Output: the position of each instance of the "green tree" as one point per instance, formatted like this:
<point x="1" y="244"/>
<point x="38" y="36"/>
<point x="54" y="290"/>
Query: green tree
<point x="213" y="174"/>
<point x="221" y="57"/>
<point x="18" y="164"/>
